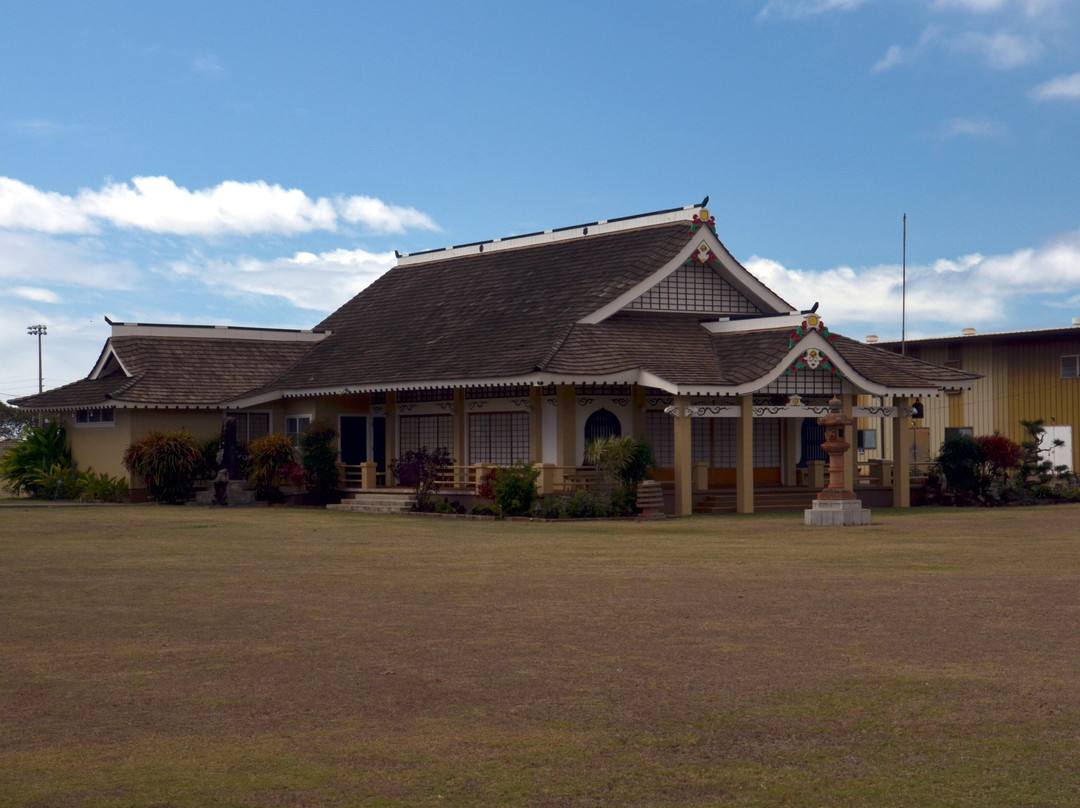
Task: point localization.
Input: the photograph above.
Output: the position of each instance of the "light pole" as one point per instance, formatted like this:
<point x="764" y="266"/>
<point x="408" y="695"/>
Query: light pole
<point x="39" y="331"/>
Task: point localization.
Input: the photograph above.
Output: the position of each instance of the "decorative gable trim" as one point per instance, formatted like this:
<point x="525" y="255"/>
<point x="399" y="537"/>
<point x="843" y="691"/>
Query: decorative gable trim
<point x="105" y="361"/>
<point x="702" y="242"/>
<point x="815" y="341"/>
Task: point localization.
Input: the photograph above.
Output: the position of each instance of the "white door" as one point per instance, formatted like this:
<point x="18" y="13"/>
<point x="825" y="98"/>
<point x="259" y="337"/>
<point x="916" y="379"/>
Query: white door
<point x="1058" y="455"/>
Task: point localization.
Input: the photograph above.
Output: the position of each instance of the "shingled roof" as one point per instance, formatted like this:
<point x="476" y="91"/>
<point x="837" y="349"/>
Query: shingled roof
<point x="491" y="314"/>
<point x="166" y="371"/>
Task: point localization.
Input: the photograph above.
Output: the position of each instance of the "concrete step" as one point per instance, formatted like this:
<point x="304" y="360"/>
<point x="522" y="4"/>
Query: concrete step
<point x="376" y="503"/>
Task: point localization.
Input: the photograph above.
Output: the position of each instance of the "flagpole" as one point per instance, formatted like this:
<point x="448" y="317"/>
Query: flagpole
<point x="903" y="298"/>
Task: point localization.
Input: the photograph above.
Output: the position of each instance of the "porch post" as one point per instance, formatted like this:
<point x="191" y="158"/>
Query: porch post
<point x="744" y="456"/>
<point x="536" y="424"/>
<point x="847" y="406"/>
<point x="901" y="456"/>
<point x="460" y="424"/>
<point x="684" y="499"/>
<point x="566" y="403"/>
<point x="391" y="434"/>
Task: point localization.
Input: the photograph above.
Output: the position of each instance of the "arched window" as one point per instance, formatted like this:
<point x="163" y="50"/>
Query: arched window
<point x="602" y="424"/>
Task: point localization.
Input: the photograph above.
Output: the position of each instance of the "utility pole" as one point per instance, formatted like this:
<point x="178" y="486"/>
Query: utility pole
<point x="39" y="331"/>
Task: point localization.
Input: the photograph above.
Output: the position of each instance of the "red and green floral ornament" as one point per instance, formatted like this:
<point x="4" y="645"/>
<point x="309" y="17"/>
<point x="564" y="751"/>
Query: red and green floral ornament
<point x="704" y="254"/>
<point x="812" y="323"/>
<point x="813" y="359"/>
<point x="703" y="217"/>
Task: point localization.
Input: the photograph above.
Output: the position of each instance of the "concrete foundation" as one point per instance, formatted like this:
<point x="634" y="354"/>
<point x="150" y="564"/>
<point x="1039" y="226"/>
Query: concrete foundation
<point x="838" y="512"/>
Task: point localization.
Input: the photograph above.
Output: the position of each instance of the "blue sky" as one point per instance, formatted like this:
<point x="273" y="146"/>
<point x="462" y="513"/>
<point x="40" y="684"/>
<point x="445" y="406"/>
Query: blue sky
<point x="257" y="163"/>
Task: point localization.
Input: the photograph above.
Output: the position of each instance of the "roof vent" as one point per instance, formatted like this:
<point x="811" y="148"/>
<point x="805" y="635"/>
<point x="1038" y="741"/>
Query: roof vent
<point x="968" y="332"/>
<point x="871" y="339"/>
<point x="1076" y="321"/>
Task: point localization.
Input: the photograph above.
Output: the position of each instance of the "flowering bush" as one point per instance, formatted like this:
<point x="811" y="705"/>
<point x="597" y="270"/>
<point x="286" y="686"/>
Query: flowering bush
<point x="269" y="459"/>
<point x="420" y="469"/>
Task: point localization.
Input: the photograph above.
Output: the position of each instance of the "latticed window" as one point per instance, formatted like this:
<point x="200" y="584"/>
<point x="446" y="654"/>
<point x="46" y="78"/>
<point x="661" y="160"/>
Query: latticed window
<point x="251" y="426"/>
<point x="695" y="287"/>
<point x="426" y="431"/>
<point x="713" y="442"/>
<point x="500" y="438"/>
<point x="660" y="435"/>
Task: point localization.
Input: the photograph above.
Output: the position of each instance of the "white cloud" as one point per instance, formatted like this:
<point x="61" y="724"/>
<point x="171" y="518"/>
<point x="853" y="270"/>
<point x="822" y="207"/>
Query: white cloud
<point x="798" y="9"/>
<point x="383" y="218"/>
<point x="1000" y="50"/>
<point x="870" y="298"/>
<point x="159" y="205"/>
<point x="39" y="128"/>
<point x="35" y="294"/>
<point x="1063" y="87"/>
<point x="318" y="282"/>
<point x="53" y="261"/>
<point x="23" y="207"/>
<point x="209" y="66"/>
<point x="973" y="127"/>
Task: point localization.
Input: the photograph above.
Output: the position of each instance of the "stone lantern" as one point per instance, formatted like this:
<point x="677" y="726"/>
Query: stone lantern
<point x="836" y="504"/>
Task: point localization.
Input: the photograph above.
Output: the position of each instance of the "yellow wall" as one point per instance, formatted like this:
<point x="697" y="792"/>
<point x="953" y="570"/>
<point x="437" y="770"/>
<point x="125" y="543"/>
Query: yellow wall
<point x="1021" y="382"/>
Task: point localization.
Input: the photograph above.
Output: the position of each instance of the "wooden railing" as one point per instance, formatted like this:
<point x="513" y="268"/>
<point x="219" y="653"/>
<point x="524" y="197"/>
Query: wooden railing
<point x="552" y="479"/>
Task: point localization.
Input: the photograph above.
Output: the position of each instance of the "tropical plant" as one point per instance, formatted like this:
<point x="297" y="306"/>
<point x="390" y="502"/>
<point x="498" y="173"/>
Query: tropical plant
<point x="42" y="448"/>
<point x="167" y="462"/>
<point x="320" y="462"/>
<point x="513" y="489"/>
<point x="92" y="487"/>
<point x="420" y="470"/>
<point x="621" y="462"/>
<point x="58" y="481"/>
<point x="268" y="462"/>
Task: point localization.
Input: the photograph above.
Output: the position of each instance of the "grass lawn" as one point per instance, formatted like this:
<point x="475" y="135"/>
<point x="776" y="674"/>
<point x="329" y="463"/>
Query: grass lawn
<point x="186" y="656"/>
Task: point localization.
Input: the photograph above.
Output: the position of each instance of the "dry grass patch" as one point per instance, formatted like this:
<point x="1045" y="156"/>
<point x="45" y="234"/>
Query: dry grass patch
<point x="191" y="656"/>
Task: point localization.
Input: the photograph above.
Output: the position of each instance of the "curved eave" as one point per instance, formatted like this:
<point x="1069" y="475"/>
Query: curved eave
<point x="814" y="339"/>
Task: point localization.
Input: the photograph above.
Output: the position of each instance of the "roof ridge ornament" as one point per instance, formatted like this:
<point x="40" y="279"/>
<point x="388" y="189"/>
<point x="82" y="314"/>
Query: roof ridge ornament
<point x="703" y="218"/>
<point x="812" y="322"/>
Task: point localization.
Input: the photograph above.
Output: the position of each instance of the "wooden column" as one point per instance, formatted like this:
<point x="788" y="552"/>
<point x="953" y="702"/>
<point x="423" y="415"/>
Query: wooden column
<point x="536" y="424"/>
<point x="460" y="431"/>
<point x="847" y="406"/>
<point x="566" y="426"/>
<point x="902" y="438"/>
<point x="391" y="434"/>
<point x="744" y="456"/>
<point x="684" y="500"/>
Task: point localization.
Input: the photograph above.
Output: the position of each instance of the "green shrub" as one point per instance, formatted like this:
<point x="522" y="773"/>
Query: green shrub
<point x="320" y="462"/>
<point x="91" y="487"/>
<point x="167" y="463"/>
<point x="588" y="504"/>
<point x="550" y="508"/>
<point x="269" y="462"/>
<point x="514" y="489"/>
<point x="35" y="455"/>
<point x="962" y="463"/>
